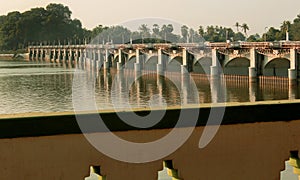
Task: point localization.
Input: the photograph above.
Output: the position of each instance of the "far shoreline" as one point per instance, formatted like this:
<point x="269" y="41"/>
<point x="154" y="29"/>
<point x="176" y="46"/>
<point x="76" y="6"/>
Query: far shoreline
<point x="10" y="57"/>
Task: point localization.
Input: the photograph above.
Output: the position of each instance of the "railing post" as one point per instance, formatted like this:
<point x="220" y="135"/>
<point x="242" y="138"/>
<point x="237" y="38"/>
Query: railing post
<point x="253" y="64"/>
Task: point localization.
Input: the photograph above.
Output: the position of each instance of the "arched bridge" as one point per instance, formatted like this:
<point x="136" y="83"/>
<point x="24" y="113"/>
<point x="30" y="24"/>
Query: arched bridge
<point x="253" y="59"/>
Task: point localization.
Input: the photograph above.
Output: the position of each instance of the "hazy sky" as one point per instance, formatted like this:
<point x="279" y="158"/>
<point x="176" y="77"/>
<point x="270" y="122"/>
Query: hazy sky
<point x="258" y="14"/>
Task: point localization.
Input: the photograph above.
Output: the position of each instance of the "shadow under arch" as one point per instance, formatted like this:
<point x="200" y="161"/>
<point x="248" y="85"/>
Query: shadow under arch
<point x="129" y="61"/>
<point x="237" y="66"/>
<point x="111" y="61"/>
<point x="277" y="67"/>
<point x="151" y="63"/>
<point x="174" y="64"/>
<point x="202" y="65"/>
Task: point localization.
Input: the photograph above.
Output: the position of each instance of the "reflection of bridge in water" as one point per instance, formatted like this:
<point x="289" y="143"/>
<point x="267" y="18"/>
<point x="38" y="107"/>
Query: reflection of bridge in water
<point x="279" y="59"/>
<point x="237" y="88"/>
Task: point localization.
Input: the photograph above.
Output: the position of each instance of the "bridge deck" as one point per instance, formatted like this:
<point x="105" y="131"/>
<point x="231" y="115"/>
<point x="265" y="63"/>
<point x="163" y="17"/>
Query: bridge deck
<point x="281" y="44"/>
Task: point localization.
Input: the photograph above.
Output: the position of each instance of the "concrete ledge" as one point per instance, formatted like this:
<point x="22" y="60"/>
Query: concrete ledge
<point x="44" y="124"/>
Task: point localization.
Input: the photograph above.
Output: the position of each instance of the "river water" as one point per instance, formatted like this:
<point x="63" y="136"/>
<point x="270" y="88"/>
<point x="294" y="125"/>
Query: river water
<point x="45" y="87"/>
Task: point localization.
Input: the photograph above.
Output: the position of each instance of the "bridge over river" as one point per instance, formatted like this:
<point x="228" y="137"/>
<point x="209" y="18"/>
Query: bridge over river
<point x="253" y="142"/>
<point x="252" y="59"/>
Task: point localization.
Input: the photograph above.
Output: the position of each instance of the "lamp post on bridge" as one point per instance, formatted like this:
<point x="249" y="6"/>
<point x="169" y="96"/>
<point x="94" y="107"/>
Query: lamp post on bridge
<point x="287" y="38"/>
<point x="266" y="34"/>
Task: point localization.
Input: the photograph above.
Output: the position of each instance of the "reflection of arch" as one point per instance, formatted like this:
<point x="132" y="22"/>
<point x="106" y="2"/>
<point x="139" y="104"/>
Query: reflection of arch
<point x="277" y="67"/>
<point x="237" y="66"/>
<point x="202" y="65"/>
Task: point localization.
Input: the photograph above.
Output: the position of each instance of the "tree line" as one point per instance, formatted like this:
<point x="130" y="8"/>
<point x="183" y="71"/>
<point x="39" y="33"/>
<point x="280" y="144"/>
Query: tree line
<point x="53" y="25"/>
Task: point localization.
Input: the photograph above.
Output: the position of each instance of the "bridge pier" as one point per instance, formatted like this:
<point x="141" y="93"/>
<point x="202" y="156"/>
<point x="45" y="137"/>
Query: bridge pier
<point x="80" y="56"/>
<point x="185" y="86"/>
<point x="41" y="57"/>
<point x="106" y="62"/>
<point x="292" y="72"/>
<point x="64" y="58"/>
<point x="70" y="56"/>
<point x="47" y="57"/>
<point x="160" y="67"/>
<point x="214" y="69"/>
<point x="99" y="60"/>
<point x="119" y="63"/>
<point x="35" y="54"/>
<point x="252" y="91"/>
<point x="253" y="68"/>
<point x="57" y="57"/>
<point x="184" y="62"/>
<point x="51" y="55"/>
<point x="137" y="64"/>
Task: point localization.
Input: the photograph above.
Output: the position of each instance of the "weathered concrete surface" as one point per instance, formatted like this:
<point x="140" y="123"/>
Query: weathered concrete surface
<point x="241" y="151"/>
<point x="244" y="148"/>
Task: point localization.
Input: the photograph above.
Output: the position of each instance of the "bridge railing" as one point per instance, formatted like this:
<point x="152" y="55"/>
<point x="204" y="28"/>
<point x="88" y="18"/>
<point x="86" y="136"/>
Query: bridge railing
<point x="279" y="44"/>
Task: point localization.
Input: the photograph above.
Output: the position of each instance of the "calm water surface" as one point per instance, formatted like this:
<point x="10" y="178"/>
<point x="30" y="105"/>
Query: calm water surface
<point x="44" y="87"/>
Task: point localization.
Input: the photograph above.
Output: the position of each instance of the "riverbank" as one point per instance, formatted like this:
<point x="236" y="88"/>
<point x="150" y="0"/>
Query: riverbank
<point x="14" y="56"/>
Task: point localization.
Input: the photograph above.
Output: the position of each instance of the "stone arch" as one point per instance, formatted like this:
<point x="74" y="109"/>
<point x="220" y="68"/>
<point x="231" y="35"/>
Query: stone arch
<point x="132" y="58"/>
<point x="277" y="67"/>
<point x="116" y="57"/>
<point x="202" y="65"/>
<point x="237" y="66"/>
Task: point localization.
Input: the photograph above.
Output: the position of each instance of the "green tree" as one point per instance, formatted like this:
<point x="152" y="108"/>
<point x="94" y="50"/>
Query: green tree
<point x="184" y="33"/>
<point x="155" y="30"/>
<point x="237" y="25"/>
<point x="145" y="31"/>
<point x="201" y="31"/>
<point x="245" y="28"/>
<point x="10" y="31"/>
<point x="295" y="29"/>
<point x="239" y="37"/>
<point x="98" y="30"/>
<point x="254" y="38"/>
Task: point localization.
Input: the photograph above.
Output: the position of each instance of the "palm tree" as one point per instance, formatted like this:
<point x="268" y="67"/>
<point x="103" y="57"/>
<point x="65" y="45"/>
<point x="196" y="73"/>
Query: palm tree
<point x="245" y="28"/>
<point x="144" y="29"/>
<point x="155" y="29"/>
<point x="285" y="26"/>
<point x="170" y="28"/>
<point x="184" y="33"/>
<point x="237" y="25"/>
